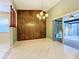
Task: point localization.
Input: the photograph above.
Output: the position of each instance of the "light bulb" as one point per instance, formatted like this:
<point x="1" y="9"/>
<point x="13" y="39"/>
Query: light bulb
<point x="37" y="15"/>
<point x="43" y="17"/>
<point x="41" y="13"/>
<point x="46" y="15"/>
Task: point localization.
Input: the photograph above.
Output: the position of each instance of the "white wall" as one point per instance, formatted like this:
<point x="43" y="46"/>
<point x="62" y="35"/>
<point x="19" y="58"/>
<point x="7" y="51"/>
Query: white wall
<point x="49" y="28"/>
<point x="5" y="36"/>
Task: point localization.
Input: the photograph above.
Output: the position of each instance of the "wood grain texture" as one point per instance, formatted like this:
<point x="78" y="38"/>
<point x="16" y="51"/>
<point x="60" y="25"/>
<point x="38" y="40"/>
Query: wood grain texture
<point x="29" y="26"/>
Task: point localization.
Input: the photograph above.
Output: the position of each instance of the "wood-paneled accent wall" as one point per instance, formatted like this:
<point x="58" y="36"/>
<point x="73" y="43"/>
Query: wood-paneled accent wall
<point x="29" y="26"/>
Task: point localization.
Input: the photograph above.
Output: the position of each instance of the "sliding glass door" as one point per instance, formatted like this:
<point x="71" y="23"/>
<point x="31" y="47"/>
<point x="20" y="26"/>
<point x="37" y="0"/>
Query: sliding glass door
<point x="58" y="30"/>
<point x="71" y="33"/>
<point x="71" y="29"/>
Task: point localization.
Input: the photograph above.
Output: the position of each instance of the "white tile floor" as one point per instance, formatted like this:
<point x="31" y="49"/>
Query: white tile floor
<point x="42" y="49"/>
<point x="4" y="48"/>
<point x="72" y="41"/>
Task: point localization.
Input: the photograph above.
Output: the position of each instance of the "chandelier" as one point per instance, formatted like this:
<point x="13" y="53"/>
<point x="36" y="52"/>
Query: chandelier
<point x="42" y="15"/>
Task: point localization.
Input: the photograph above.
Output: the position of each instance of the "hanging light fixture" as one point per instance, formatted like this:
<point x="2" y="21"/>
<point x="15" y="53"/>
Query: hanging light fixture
<point x="42" y="14"/>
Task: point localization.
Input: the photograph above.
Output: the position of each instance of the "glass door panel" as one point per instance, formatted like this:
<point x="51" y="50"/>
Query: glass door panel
<point x="58" y="30"/>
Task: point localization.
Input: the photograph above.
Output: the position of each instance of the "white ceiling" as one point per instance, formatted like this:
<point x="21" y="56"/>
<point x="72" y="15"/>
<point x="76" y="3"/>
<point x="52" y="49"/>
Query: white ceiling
<point x="4" y="5"/>
<point x="35" y="4"/>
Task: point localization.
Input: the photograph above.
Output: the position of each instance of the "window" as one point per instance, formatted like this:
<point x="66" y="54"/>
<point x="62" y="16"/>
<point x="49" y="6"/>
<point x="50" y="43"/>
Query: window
<point x="72" y="29"/>
<point x="75" y="29"/>
<point x="4" y="24"/>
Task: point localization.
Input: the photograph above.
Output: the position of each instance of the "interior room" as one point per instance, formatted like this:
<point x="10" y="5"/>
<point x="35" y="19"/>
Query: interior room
<point x="39" y="29"/>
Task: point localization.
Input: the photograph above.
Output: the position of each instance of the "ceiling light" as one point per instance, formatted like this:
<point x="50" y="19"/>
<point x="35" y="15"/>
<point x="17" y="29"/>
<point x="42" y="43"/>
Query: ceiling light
<point x="37" y="15"/>
<point x="46" y="15"/>
<point x="42" y="14"/>
<point x="40" y="17"/>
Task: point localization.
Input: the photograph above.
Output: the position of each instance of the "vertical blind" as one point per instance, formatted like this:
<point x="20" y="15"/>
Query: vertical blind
<point x="72" y="29"/>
